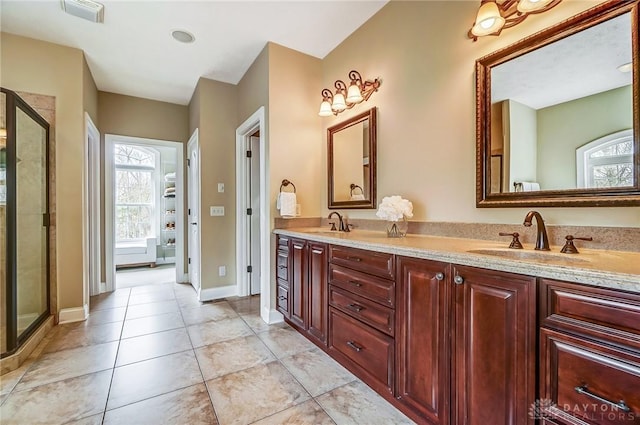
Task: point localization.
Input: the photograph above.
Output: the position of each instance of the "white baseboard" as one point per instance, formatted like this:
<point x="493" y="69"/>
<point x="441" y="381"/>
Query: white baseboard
<point x="211" y="294"/>
<point x="75" y="314"/>
<point x="271" y="316"/>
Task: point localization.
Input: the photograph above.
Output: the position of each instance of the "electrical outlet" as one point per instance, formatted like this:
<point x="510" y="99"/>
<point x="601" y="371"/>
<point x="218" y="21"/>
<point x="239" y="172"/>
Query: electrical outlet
<point x="222" y="271"/>
<point x="216" y="211"/>
<point x="220" y="187"/>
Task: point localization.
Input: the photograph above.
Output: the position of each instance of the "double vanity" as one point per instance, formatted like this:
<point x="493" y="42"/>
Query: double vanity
<point x="463" y="331"/>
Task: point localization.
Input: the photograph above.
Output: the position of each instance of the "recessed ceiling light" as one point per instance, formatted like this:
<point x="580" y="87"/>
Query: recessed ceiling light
<point x="625" y="67"/>
<point x="183" y="36"/>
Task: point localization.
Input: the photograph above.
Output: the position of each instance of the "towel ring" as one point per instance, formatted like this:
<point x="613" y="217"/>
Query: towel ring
<point x="286" y="183"/>
<point x="354" y="187"/>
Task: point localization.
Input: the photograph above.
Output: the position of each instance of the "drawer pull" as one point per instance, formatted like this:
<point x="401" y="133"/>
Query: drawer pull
<point x="356" y="259"/>
<point x="282" y="267"/>
<point x="619" y="405"/>
<point x="282" y="298"/>
<point x="355" y="307"/>
<point x="355" y="346"/>
<point x="355" y="283"/>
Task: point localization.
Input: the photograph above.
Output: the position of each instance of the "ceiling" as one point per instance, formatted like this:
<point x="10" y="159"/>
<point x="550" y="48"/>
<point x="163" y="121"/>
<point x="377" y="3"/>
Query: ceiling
<point x="574" y="67"/>
<point x="133" y="52"/>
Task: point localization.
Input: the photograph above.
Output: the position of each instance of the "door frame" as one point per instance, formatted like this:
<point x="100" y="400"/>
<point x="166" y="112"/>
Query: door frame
<point x="194" y="142"/>
<point x="243" y="133"/>
<point x="109" y="211"/>
<point x="91" y="216"/>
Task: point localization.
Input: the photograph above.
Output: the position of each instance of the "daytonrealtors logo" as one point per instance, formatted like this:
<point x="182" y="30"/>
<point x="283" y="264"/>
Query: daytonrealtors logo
<point x="545" y="408"/>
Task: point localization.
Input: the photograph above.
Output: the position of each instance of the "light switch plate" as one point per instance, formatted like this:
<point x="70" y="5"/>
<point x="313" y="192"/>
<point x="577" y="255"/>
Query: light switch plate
<point x="220" y="187"/>
<point x="222" y="271"/>
<point x="216" y="211"/>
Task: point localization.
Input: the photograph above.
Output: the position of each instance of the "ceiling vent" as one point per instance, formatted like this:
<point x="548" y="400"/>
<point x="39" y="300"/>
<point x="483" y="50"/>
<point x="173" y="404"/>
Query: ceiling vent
<point x="85" y="9"/>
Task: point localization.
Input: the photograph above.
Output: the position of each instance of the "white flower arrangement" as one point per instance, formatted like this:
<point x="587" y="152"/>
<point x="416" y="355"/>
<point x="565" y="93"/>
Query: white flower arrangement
<point x="394" y="208"/>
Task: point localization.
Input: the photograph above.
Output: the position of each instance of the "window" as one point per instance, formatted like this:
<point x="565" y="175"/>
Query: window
<point x="135" y="175"/>
<point x="606" y="162"/>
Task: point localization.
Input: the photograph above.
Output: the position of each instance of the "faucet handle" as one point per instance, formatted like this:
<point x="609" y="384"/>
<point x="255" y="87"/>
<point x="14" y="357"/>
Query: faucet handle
<point x="569" y="247"/>
<point x="515" y="242"/>
<point x="333" y="226"/>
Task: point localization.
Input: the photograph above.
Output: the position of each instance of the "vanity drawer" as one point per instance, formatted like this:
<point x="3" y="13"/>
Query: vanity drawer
<point x="368" y="350"/>
<point x="579" y="376"/>
<point x="283" y="243"/>
<point x="606" y="314"/>
<point x="282" y="265"/>
<point x="371" y="287"/>
<point x="282" y="300"/>
<point x="371" y="313"/>
<point x="376" y="263"/>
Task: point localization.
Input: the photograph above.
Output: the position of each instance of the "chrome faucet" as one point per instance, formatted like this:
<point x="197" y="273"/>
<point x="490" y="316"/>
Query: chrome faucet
<point x="342" y="226"/>
<point x="542" y="241"/>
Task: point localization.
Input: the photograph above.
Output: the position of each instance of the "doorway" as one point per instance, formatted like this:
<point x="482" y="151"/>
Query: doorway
<point x="253" y="235"/>
<point x="193" y="202"/>
<point x="144" y="225"/>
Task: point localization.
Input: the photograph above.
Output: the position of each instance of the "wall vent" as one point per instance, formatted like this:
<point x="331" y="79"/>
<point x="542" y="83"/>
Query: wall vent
<point x="85" y="9"/>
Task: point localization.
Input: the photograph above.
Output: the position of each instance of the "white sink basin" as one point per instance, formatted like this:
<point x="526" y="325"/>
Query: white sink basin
<point x="541" y="256"/>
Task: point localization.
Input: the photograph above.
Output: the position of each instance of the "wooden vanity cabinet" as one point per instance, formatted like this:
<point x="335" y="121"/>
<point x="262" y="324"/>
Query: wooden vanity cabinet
<point x="589" y="354"/>
<point x="422" y="338"/>
<point x="493" y="347"/>
<point x="308" y="289"/>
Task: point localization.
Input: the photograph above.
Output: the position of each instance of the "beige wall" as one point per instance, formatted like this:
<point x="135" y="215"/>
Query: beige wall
<point x="137" y="117"/>
<point x="565" y="127"/>
<point x="253" y="88"/>
<point x="38" y="67"/>
<point x="89" y="93"/>
<point x="426" y="117"/>
<point x="296" y="141"/>
<point x="216" y="104"/>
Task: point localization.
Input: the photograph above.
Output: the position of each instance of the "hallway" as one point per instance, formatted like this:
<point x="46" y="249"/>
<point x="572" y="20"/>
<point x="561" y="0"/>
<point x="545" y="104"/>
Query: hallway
<point x="155" y="355"/>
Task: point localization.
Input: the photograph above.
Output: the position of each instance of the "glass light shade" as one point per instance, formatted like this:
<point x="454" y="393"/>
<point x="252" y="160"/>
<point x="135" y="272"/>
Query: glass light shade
<point x="488" y="21"/>
<point x="354" y="95"/>
<point x="627" y="67"/>
<point x="325" y="109"/>
<point x="528" y="6"/>
<point x="338" y="102"/>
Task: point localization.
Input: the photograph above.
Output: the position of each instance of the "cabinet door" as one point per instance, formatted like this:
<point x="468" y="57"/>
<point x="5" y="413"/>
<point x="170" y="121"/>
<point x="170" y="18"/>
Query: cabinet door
<point x="422" y="343"/>
<point x="318" y="291"/>
<point x="494" y="347"/>
<point x="298" y="284"/>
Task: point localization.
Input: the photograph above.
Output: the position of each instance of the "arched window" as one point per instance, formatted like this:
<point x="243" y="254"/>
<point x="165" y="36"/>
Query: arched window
<point x="606" y="162"/>
<point x="135" y="186"/>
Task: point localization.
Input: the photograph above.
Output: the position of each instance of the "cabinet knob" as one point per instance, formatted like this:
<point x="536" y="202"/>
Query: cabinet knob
<point x="459" y="280"/>
<point x="355" y="283"/>
<point x="439" y="276"/>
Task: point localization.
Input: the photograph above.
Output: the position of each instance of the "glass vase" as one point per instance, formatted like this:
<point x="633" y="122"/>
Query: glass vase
<point x="397" y="229"/>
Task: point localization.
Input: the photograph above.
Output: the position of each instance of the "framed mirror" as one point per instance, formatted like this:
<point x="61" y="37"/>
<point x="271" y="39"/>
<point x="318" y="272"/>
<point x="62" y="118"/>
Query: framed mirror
<point x="558" y="116"/>
<point x="351" y="159"/>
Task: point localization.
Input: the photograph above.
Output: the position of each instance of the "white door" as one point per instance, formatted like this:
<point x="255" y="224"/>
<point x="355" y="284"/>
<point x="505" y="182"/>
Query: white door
<point x="193" y="200"/>
<point x="253" y="219"/>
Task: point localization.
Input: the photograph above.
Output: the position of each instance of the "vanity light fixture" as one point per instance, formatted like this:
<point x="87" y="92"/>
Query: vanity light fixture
<point x="625" y="67"/>
<point x="494" y="15"/>
<point x="346" y="98"/>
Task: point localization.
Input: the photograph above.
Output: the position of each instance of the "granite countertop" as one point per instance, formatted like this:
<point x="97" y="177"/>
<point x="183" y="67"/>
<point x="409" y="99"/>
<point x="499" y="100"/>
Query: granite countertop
<point x="610" y="269"/>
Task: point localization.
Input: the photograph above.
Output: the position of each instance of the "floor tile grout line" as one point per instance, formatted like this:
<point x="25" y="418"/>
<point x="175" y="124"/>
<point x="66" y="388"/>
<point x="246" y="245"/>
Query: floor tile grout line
<point x="193" y="348"/>
<point x="115" y="361"/>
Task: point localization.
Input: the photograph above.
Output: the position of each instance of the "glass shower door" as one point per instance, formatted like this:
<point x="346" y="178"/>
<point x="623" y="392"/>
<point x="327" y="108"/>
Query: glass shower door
<point x="32" y="296"/>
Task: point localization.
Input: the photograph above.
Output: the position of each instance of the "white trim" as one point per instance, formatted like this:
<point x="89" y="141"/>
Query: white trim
<point x="109" y="141"/>
<point x="243" y="132"/>
<point x="194" y="144"/>
<point x="182" y="277"/>
<point x="274" y="316"/>
<point x="74" y="314"/>
<point x="91" y="211"/>
<point x="211" y="294"/>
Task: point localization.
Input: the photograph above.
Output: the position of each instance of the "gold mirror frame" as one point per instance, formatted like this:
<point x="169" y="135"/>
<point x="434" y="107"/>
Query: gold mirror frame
<point x="626" y="196"/>
<point x="370" y="200"/>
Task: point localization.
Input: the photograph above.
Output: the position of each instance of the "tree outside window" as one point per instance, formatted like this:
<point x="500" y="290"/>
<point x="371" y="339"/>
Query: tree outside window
<point x="135" y="169"/>
<point x="606" y="162"/>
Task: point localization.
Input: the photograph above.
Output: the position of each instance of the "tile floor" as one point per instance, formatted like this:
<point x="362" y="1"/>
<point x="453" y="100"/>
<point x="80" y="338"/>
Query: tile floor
<point x="155" y="355"/>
